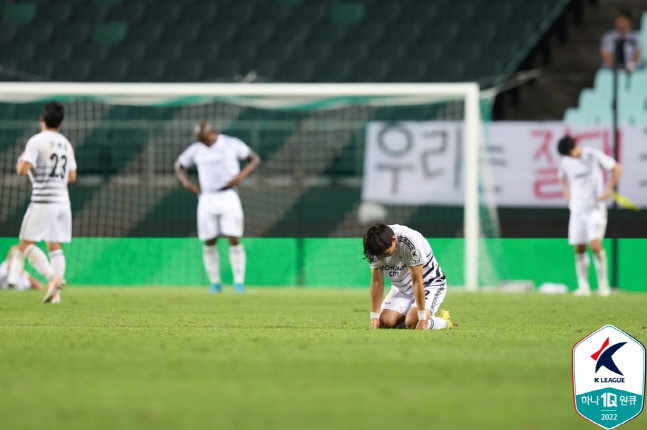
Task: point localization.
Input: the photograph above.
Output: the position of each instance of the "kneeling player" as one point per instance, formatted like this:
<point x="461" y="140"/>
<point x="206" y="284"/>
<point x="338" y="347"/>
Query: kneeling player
<point x="418" y="284"/>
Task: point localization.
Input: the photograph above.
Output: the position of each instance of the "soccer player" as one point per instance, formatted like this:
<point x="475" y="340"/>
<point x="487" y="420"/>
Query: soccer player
<point x="581" y="178"/>
<point x="13" y="275"/>
<point x="418" y="284"/>
<point x="217" y="158"/>
<point x="49" y="216"/>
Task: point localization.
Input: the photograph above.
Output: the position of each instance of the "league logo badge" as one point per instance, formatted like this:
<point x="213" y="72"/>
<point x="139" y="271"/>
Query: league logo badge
<point x="609" y="377"/>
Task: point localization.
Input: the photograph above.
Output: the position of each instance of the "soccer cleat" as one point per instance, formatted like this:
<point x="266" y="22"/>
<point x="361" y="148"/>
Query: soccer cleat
<point x="582" y="292"/>
<point x="53" y="287"/>
<point x="56" y="298"/>
<point x="445" y="315"/>
<point x="604" y="291"/>
<point x="215" y="288"/>
<point x="239" y="287"/>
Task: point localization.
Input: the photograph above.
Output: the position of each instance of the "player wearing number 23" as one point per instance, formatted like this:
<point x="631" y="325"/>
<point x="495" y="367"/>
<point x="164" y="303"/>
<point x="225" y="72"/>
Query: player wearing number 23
<point x="49" y="216"/>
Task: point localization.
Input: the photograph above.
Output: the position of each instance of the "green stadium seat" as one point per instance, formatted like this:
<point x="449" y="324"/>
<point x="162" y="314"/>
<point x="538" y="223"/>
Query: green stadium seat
<point x="110" y="70"/>
<point x="240" y="12"/>
<point x="419" y="12"/>
<point x="347" y="12"/>
<point x="147" y="70"/>
<point x="60" y="51"/>
<point x="77" y="70"/>
<point x="18" y="51"/>
<point x="188" y="70"/>
<point x="315" y="12"/>
<point x="19" y="13"/>
<point x="110" y="33"/>
<point x="187" y="33"/>
<point x="199" y="13"/>
<point x="90" y="12"/>
<point x="77" y="33"/>
<point x="151" y="33"/>
<point x="133" y="13"/>
<point x="170" y="51"/>
<point x="59" y="12"/>
<point x="392" y="49"/>
<point x="358" y="50"/>
<point x="321" y="50"/>
<point x="405" y="33"/>
<point x="369" y="32"/>
<point x="386" y="12"/>
<point x="162" y="13"/>
<point x="131" y="51"/>
<point x="39" y="35"/>
<point x="92" y="51"/>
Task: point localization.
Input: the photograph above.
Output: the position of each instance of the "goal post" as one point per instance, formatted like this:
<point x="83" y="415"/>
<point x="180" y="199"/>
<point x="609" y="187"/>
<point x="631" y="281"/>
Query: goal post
<point x="287" y="96"/>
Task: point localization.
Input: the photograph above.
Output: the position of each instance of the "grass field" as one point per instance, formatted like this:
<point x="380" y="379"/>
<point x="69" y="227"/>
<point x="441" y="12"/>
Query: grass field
<point x="178" y="358"/>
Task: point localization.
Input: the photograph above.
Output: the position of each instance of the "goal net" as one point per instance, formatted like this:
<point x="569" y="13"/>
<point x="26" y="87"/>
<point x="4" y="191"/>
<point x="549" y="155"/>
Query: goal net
<point x="336" y="158"/>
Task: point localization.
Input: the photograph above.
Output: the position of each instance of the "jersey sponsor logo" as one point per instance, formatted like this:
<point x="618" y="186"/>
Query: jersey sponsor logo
<point x="608" y="377"/>
<point x="393" y="271"/>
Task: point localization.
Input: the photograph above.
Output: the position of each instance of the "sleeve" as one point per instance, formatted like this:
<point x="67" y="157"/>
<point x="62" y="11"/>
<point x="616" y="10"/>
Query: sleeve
<point x="242" y="150"/>
<point x="31" y="151"/>
<point x="72" y="161"/>
<point x="186" y="157"/>
<point x="607" y="42"/>
<point x="604" y="160"/>
<point x="561" y="172"/>
<point x="415" y="255"/>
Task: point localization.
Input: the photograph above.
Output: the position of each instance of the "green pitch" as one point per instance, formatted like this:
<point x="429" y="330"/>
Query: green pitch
<point x="304" y="359"/>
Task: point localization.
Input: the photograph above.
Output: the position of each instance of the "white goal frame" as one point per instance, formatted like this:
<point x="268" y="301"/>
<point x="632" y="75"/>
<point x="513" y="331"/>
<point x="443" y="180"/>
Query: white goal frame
<point x="469" y="92"/>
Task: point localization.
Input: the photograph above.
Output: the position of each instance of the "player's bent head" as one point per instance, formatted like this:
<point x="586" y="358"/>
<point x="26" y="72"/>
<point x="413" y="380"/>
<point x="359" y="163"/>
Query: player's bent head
<point x="204" y="132"/>
<point x="624" y="20"/>
<point x="565" y="145"/>
<point x="377" y="239"/>
<point x="53" y="114"/>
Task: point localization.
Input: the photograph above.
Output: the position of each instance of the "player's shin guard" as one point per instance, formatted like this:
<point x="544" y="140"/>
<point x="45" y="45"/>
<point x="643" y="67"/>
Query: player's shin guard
<point x="38" y="260"/>
<point x="238" y="260"/>
<point x="16" y="267"/>
<point x="58" y="261"/>
<point x="211" y="260"/>
<point x="582" y="263"/>
<point x="436" y="323"/>
<point x="600" y="262"/>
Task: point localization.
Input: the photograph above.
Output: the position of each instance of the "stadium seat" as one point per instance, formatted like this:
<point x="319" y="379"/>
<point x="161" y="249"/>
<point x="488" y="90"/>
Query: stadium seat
<point x="39" y="35"/>
<point x="18" y="51"/>
<point x="77" y="33"/>
<point x="133" y="13"/>
<point x="63" y="50"/>
<point x="37" y="66"/>
<point x="147" y="70"/>
<point x="90" y="12"/>
<point x="77" y="70"/>
<point x="131" y="52"/>
<point x="170" y="51"/>
<point x="109" y="70"/>
<point x="60" y="12"/>
<point x="347" y="12"/>
<point x="19" y="13"/>
<point x="110" y="33"/>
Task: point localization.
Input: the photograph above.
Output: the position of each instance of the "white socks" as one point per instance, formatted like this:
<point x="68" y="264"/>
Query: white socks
<point x="57" y="259"/>
<point x="16" y="267"/>
<point x="211" y="260"/>
<point x="436" y="323"/>
<point x="582" y="263"/>
<point x="38" y="260"/>
<point x="600" y="262"/>
<point x="238" y="259"/>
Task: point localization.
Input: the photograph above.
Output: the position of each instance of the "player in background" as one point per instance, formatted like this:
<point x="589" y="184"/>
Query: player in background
<point x="418" y="284"/>
<point x="49" y="216"/>
<point x="217" y="158"/>
<point x="581" y="178"/>
<point x="13" y="275"/>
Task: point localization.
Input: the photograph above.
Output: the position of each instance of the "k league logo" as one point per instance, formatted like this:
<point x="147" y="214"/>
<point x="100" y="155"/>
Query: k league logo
<point x="608" y="377"/>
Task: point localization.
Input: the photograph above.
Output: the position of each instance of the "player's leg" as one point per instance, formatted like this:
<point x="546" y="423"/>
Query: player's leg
<point x="232" y="224"/>
<point x="394" y="308"/>
<point x="60" y="232"/>
<point x="597" y="225"/>
<point x="577" y="238"/>
<point x="208" y="231"/>
<point x="16" y="266"/>
<point x="57" y="259"/>
<point x="434" y="296"/>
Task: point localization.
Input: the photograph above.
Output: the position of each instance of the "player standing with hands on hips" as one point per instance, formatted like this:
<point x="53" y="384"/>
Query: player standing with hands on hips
<point x="418" y="284"/>
<point x="217" y="158"/>
<point x="49" y="216"/>
<point x="580" y="175"/>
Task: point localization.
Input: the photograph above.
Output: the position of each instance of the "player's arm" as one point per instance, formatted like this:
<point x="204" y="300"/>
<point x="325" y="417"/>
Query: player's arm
<point x="607" y="57"/>
<point x="564" y="185"/>
<point x="616" y="171"/>
<point x="251" y="163"/>
<point x="418" y="293"/>
<point x="23" y="167"/>
<point x="180" y="172"/>
<point x="71" y="177"/>
<point x="377" y="295"/>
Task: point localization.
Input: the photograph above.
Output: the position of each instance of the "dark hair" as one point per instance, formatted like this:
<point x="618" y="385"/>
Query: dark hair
<point x="626" y="13"/>
<point x="53" y="114"/>
<point x="377" y="239"/>
<point x="565" y="145"/>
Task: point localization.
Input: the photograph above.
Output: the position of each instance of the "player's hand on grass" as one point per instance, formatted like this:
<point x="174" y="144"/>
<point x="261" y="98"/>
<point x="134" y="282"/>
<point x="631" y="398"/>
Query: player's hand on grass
<point x="375" y="323"/>
<point x="422" y="325"/>
<point x="193" y="188"/>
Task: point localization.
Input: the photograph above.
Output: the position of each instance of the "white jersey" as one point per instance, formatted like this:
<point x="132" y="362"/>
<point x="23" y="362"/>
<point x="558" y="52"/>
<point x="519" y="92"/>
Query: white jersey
<point x="217" y="164"/>
<point x="584" y="178"/>
<point x="52" y="158"/>
<point x="412" y="250"/>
